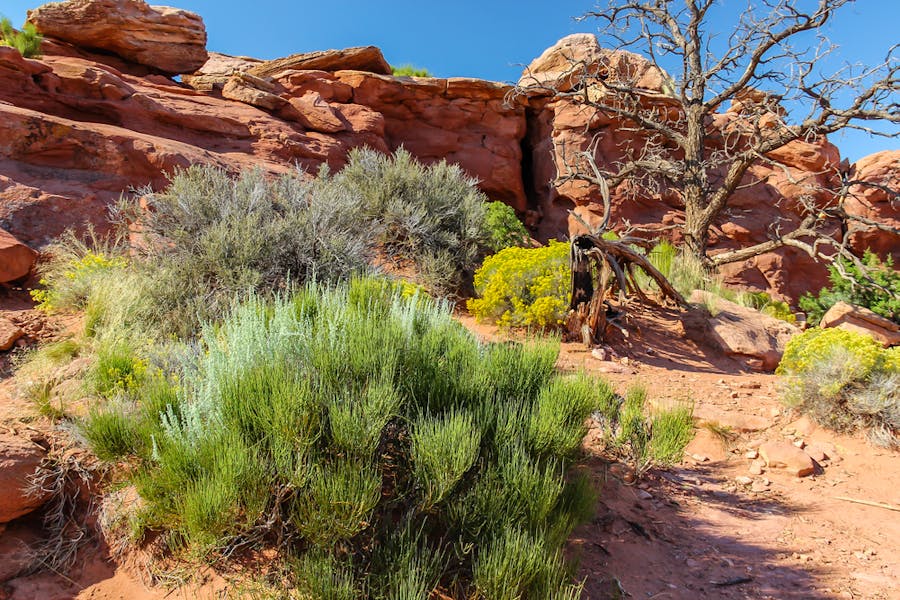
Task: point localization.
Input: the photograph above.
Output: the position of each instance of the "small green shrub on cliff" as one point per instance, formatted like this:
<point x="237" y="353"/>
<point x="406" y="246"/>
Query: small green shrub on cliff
<point x="27" y="41"/>
<point x="505" y="228"/>
<point x="522" y="287"/>
<point x="857" y="288"/>
<point x="845" y="381"/>
<point x="408" y="70"/>
<point x="452" y="469"/>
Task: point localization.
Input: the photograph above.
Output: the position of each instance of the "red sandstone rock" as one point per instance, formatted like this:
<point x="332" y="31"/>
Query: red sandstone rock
<point x="862" y="320"/>
<point x="316" y="114"/>
<point x="252" y="90"/>
<point x="216" y="72"/>
<point x="874" y="201"/>
<point x="19" y="458"/>
<point x="16" y="259"/>
<point x="578" y="57"/>
<point x="784" y="455"/>
<point x="464" y="121"/>
<point x="168" y="39"/>
<point x="746" y="333"/>
<point x="363" y="58"/>
<point x="9" y="334"/>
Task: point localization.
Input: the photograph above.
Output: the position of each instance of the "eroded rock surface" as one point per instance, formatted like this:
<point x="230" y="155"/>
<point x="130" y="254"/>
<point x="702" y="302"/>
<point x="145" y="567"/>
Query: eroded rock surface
<point x="19" y="458"/>
<point x="164" y="38"/>
<point x="746" y="334"/>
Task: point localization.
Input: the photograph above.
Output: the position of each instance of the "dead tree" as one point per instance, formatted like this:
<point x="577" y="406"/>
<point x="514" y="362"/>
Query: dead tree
<point x="765" y="67"/>
<point x="601" y="267"/>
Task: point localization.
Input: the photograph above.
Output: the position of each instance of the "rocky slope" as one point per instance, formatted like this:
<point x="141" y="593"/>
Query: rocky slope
<point x="100" y="114"/>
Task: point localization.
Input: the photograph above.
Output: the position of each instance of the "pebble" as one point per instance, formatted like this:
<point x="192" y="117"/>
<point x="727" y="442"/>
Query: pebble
<point x="743" y="480"/>
<point x="760" y="485"/>
<point x="756" y="467"/>
<point x="644" y="495"/>
<point x="799" y="443"/>
<point x="751" y="454"/>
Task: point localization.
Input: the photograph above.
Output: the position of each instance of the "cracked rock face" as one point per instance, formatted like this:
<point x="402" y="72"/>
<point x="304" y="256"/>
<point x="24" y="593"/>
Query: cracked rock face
<point x="167" y="39"/>
<point x="19" y="458"/>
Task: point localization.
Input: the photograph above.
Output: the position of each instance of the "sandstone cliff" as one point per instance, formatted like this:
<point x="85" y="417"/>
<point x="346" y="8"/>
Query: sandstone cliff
<point x="92" y="119"/>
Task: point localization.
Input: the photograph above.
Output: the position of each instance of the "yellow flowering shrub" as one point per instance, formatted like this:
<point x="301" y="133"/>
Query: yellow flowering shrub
<point x="519" y="287"/>
<point x="805" y="351"/>
<point x="845" y="381"/>
<point x="67" y="283"/>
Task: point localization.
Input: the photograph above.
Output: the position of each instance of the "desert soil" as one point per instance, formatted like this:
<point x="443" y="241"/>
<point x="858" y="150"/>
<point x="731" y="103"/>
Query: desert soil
<point x="696" y="530"/>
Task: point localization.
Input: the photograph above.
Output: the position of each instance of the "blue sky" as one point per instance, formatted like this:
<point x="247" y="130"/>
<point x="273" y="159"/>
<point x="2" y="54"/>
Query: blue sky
<point x="490" y="39"/>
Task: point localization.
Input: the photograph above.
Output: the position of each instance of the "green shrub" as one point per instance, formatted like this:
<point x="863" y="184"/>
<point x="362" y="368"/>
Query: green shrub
<point x="27" y="41"/>
<point x="506" y="230"/>
<point x="110" y="433"/>
<point x="646" y="437"/>
<point x="433" y="216"/>
<point x="117" y="369"/>
<point x="857" y="288"/>
<point x="387" y="448"/>
<point x="408" y="70"/>
<point x="524" y="286"/>
<point x="845" y="381"/>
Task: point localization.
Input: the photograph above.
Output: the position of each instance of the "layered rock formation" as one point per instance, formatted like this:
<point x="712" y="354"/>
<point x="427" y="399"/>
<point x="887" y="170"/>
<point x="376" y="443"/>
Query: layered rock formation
<point x="170" y="40"/>
<point x="96" y="117"/>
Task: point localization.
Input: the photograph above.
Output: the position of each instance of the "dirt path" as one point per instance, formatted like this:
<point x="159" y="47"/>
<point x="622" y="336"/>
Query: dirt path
<point x="693" y="531"/>
<point x="697" y="530"/>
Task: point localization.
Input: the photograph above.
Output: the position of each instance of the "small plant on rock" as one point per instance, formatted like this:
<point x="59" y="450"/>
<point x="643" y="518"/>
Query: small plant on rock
<point x="27" y="41"/>
<point x="409" y="70"/>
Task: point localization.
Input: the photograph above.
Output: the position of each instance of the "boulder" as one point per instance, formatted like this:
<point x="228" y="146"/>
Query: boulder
<point x="19" y="458"/>
<point x="16" y="259"/>
<point x="578" y="58"/>
<point x="862" y="320"/>
<point x="746" y="334"/>
<point x="252" y="90"/>
<point x="9" y="334"/>
<point x="784" y="455"/>
<point x="166" y="39"/>
<point x="362" y="58"/>
<point x="216" y="72"/>
<point x="878" y="200"/>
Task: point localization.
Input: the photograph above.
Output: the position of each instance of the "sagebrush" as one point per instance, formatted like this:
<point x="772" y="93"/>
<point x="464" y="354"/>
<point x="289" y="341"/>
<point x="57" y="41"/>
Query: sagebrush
<point x="211" y="237"/>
